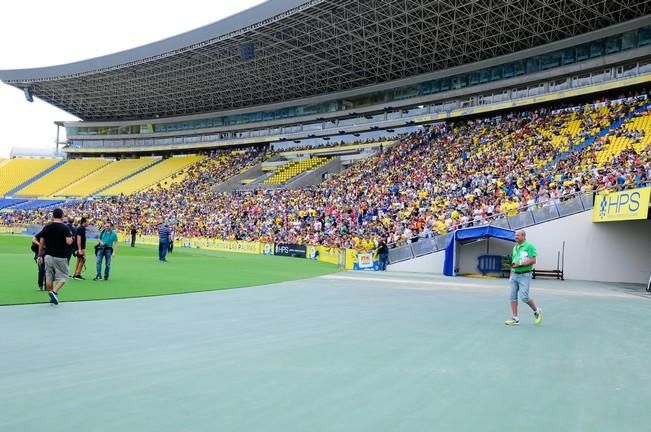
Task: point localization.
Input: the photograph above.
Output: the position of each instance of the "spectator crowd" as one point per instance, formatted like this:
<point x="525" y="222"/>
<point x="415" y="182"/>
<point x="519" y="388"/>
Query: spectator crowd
<point x="444" y="177"/>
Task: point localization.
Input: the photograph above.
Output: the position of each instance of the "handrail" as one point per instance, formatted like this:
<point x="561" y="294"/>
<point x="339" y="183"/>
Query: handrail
<point x="557" y="213"/>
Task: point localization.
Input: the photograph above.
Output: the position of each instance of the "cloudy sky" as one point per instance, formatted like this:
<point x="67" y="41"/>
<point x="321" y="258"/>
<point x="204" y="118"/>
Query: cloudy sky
<point x="45" y="33"/>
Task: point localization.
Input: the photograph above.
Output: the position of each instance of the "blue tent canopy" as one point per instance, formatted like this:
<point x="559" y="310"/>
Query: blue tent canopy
<point x="469" y="234"/>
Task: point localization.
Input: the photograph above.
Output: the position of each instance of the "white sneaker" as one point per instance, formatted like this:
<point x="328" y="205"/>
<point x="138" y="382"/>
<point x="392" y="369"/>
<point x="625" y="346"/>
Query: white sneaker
<point x="512" y="322"/>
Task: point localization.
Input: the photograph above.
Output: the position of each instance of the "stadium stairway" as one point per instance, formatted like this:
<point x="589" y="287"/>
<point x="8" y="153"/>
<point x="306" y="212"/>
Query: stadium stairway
<point x="241" y="180"/>
<point x="135" y="173"/>
<point x="603" y="132"/>
<point x="36" y="177"/>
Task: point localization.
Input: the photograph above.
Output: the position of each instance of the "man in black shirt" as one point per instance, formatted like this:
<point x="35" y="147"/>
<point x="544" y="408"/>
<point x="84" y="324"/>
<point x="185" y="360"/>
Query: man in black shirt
<point x="80" y="242"/>
<point x="56" y="240"/>
<point x="133" y="236"/>
<point x="36" y="240"/>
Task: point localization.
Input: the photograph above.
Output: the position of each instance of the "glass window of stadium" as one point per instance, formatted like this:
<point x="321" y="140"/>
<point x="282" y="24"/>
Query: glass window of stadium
<point x="473" y="79"/>
<point x="613" y="45"/>
<point x="582" y="52"/>
<point x="596" y="49"/>
<point x="568" y="56"/>
<point x="644" y="36"/>
<point x="629" y="40"/>
<point x="519" y="68"/>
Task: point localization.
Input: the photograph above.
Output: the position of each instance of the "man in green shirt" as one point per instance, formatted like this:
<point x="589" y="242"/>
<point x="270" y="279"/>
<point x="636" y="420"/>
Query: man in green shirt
<point x="523" y="257"/>
<point x="108" y="244"/>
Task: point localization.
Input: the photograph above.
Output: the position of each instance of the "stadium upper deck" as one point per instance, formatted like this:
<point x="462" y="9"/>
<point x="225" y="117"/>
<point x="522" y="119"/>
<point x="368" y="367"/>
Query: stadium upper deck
<point x="284" y="50"/>
<point x="303" y="61"/>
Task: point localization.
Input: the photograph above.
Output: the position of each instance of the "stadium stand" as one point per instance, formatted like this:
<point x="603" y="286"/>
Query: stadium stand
<point x="206" y="169"/>
<point x="152" y="175"/>
<point x="634" y="134"/>
<point x="17" y="171"/>
<point x="105" y="177"/>
<point x="444" y="177"/>
<point x="62" y="176"/>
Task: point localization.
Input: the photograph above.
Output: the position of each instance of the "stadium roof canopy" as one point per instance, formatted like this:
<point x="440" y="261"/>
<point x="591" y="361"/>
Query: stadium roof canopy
<point x="291" y="49"/>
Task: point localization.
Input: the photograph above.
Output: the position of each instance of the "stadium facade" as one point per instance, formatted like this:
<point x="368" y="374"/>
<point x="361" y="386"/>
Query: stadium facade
<point x="295" y="72"/>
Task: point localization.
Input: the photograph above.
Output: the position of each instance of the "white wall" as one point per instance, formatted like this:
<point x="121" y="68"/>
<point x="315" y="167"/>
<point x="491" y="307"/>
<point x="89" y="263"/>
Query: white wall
<point x="432" y="263"/>
<point x="608" y="252"/>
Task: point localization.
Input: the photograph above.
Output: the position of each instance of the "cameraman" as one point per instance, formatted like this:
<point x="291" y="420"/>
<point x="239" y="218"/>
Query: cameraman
<point x="108" y="243"/>
<point x="80" y="250"/>
<point x="69" y="221"/>
<point x="36" y="240"/>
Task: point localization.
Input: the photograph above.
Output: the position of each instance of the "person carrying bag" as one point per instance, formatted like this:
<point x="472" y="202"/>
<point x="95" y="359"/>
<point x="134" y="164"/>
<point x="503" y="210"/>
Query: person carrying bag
<point x="105" y="250"/>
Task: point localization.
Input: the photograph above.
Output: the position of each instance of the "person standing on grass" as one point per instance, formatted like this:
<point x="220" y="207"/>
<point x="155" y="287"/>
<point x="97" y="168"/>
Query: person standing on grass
<point x="80" y="241"/>
<point x="523" y="258"/>
<point x="108" y="244"/>
<point x="36" y="240"/>
<point x="69" y="222"/>
<point x="133" y="236"/>
<point x="53" y="247"/>
<point x="171" y="242"/>
<point x="163" y="241"/>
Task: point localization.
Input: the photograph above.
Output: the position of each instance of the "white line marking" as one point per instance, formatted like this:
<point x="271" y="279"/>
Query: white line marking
<point x="453" y="286"/>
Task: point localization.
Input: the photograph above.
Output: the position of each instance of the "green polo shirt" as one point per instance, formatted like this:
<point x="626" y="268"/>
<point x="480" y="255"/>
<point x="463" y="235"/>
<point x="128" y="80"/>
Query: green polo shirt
<point x="522" y="253"/>
<point x="108" y="237"/>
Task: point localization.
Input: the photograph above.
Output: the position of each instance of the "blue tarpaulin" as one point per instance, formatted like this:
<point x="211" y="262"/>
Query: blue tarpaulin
<point x="469" y="234"/>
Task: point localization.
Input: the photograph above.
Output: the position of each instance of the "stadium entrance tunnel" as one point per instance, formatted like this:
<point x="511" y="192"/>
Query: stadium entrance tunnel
<point x="478" y="248"/>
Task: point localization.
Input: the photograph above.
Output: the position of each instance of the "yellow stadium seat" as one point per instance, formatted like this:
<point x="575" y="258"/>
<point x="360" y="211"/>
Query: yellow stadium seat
<point x="294" y="168"/>
<point x="15" y="172"/>
<point x="105" y="177"/>
<point x="152" y="175"/>
<point x="62" y="176"/>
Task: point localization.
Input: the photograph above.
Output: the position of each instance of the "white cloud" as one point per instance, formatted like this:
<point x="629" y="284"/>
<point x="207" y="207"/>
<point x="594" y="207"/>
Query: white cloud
<point x="45" y="33"/>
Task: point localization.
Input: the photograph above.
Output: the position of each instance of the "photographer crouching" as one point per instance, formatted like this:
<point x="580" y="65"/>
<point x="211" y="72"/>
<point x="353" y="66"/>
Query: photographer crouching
<point x="105" y="250"/>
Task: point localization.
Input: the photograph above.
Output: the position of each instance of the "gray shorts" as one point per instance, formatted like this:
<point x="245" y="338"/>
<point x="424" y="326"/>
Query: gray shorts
<point x="56" y="269"/>
<point x="520" y="284"/>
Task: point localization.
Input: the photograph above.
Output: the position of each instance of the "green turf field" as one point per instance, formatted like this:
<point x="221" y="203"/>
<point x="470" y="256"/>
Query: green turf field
<point x="136" y="272"/>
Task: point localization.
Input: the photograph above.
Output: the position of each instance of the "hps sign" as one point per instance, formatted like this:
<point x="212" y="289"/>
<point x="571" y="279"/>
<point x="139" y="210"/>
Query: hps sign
<point x="630" y="204"/>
